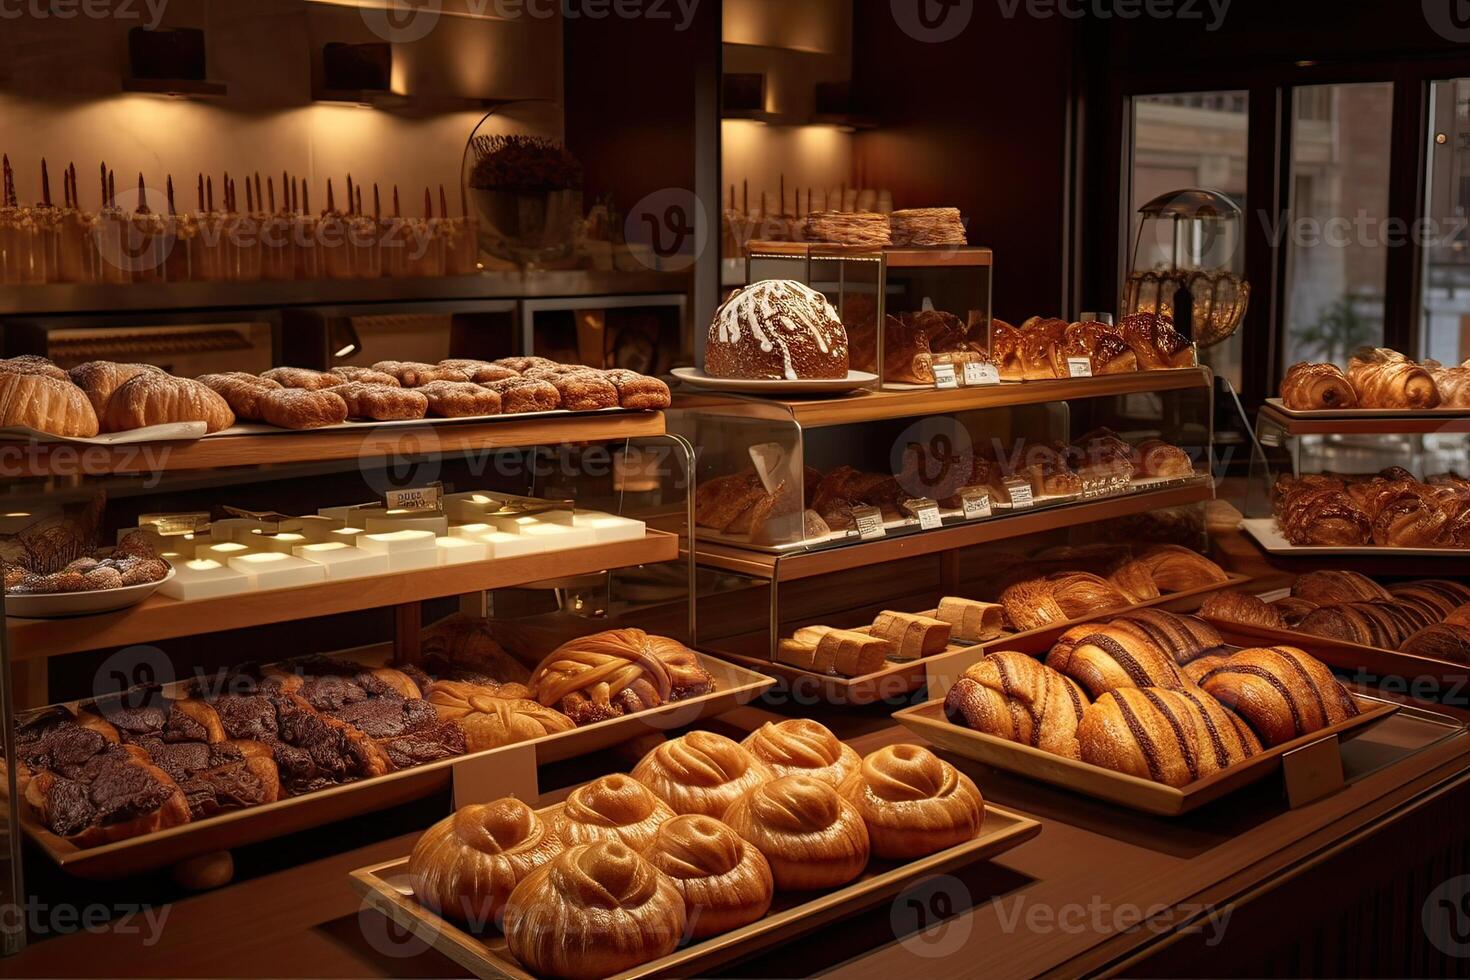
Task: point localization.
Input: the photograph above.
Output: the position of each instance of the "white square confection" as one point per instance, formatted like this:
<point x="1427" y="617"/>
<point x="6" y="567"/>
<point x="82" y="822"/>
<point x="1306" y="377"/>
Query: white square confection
<point x="220" y="551"/>
<point x="607" y="527"/>
<point x="284" y="543"/>
<point x="273" y="570"/>
<point x="503" y="545"/>
<point x="203" y="578"/>
<point x="455" y="551"/>
<point x="559" y="537"/>
<point x="233" y="528"/>
<point x="471" y="532"/>
<point x="514" y="523"/>
<point x="402" y="520"/>
<point x="341" y="560"/>
<point x="346" y="535"/>
<point x="389" y="542"/>
<point x="342" y="513"/>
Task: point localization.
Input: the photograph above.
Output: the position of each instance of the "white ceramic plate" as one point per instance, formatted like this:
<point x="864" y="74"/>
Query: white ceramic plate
<point x="54" y="605"/>
<point x="754" y="386"/>
<point x="1263" y="529"/>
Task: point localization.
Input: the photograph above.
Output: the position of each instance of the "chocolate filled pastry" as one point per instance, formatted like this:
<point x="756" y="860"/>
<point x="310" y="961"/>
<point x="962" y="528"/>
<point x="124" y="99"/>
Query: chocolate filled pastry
<point x="459" y="399"/>
<point x="217" y="777"/>
<point x="1182" y="637"/>
<point x="1281" y="692"/>
<point x="480" y="372"/>
<point x="115" y="794"/>
<point x="617" y="672"/>
<point x="1173" y="737"/>
<point x="302" y="408"/>
<point x="243" y="392"/>
<point x="802" y="747"/>
<point x="811" y="835"/>
<point x="520" y="395"/>
<point x="615" y="807"/>
<point x="1327" y="587"/>
<point x="40" y="401"/>
<point x="167" y="719"/>
<point x="913" y="802"/>
<point x="415" y="374"/>
<point x="700" y="772"/>
<point x="1016" y="697"/>
<point x="465" y="866"/>
<point x="382" y="403"/>
<point x="1312" y="387"/>
<point x="1247" y="610"/>
<point x="1384" y="378"/>
<point x="638" y="391"/>
<point x="725" y="882"/>
<point x="1111" y="657"/>
<point x="777" y="329"/>
<point x="364" y="375"/>
<point x="593" y="911"/>
<point x="584" y="391"/>
<point x="294" y="377"/>
<point x="157" y="399"/>
<point x="99" y="379"/>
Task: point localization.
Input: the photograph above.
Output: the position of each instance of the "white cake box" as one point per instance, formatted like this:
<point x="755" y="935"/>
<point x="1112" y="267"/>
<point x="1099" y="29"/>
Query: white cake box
<point x="457" y="551"/>
<point x="559" y="537"/>
<point x="606" y="528"/>
<point x="342" y="560"/>
<point x="221" y="551"/>
<point x="273" y="570"/>
<point x="406" y="550"/>
<point x="203" y="578"/>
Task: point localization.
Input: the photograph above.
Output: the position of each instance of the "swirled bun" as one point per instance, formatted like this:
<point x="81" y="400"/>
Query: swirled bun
<point x="802" y="747"/>
<point x="593" y="911"/>
<point x="913" y="802"/>
<point x="811" y="836"/>
<point x="726" y="883"/>
<point x="466" y="865"/>
<point x="615" y="807"/>
<point x="701" y="772"/>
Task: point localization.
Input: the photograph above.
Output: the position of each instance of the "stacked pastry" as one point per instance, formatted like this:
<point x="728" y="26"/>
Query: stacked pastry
<point x="1377" y="377"/>
<point x="920" y="227"/>
<point x="1150" y="695"/>
<point x="694" y="844"/>
<point x="1389" y="508"/>
<point x="1041" y="347"/>
<point x="1429" y="618"/>
<point x="859" y="228"/>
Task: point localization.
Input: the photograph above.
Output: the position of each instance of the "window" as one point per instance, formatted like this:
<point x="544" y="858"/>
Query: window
<point x="1337" y="233"/>
<point x="1444" y="287"/>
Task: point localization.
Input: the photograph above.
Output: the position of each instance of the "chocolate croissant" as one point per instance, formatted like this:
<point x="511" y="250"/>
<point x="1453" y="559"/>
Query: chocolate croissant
<point x="607" y="675"/>
<point x="1327" y="587"/>
<point x="802" y="747"/>
<point x="1441" y="641"/>
<point x="811" y="835"/>
<point x="593" y="911"/>
<point x="1435" y="598"/>
<point x="913" y="802"/>
<point x="701" y="772"/>
<point x="1375" y="624"/>
<point x="1247" y="610"/>
<point x="1005" y="350"/>
<point x="615" y="807"/>
<point x="465" y="866"/>
<point x="1115" y="656"/>
<point x="1384" y="378"/>
<point x="725" y="882"/>
<point x="1312" y="387"/>
<point x="1015" y="696"/>
<point x="1036" y="603"/>
<point x="1281" y="692"/>
<point x="1171" y="737"/>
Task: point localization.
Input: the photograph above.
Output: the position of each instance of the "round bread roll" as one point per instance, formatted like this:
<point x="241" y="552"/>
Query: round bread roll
<point x="615" y="807"/>
<point x="466" y="865"/>
<point x="700" y="772"/>
<point x="593" y="911"/>
<point x="913" y="802"/>
<point x="811" y="836"/>
<point x="726" y="883"/>
<point x="802" y="747"/>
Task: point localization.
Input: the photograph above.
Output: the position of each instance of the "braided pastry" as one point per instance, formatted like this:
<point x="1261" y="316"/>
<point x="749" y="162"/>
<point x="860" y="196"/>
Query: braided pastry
<point x="725" y="882"/>
<point x="700" y="772"/>
<point x="1016" y="697"/>
<point x="618" y="672"/>
<point x="1384" y="378"/>
<point x="1281" y="692"/>
<point x="913" y="803"/>
<point x="810" y="834"/>
<point x="489" y="720"/>
<point x="1310" y="387"/>
<point x="465" y="866"/>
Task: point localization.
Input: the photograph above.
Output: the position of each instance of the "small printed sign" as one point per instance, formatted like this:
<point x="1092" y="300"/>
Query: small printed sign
<point x="927" y="511"/>
<point x="978" y="374"/>
<point x="944" y="376"/>
<point x="976" y="504"/>
<point x="1079" y="367"/>
<point x="415" y="498"/>
<point x="869" y="522"/>
<point x="1020" y="492"/>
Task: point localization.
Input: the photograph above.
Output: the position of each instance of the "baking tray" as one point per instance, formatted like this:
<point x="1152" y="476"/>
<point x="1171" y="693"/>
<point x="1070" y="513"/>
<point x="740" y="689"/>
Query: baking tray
<point x="385" y="887"/>
<point x="1132" y="792"/>
<point x="900" y="680"/>
<point x="1356" y="658"/>
<point x="1263" y="530"/>
<point x="1368" y="413"/>
<point x="734" y="686"/>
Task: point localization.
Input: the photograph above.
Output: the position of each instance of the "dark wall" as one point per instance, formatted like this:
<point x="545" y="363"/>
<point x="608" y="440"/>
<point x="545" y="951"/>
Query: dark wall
<point x="979" y="122"/>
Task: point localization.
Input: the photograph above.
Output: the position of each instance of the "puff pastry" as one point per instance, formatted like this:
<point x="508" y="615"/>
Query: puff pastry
<point x="154" y="399"/>
<point x="701" y="772"/>
<point x="617" y="672"/>
<point x="99" y="379"/>
<point x="811" y="835"/>
<point x="465" y="866"/>
<point x="913" y="802"/>
<point x="39" y="401"/>
<point x="615" y="807"/>
<point x="725" y="882"/>
<point x="381" y="402"/>
<point x="243" y="392"/>
<point x="490" y="720"/>
<point x="802" y="747"/>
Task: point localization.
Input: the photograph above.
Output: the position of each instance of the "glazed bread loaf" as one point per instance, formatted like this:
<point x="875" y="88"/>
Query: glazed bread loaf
<point x="701" y="772"/>
<point x="811" y="835"/>
<point x="157" y="399"/>
<point x="725" y="882"/>
<point x="802" y="747"/>
<point x="778" y="329"/>
<point x="615" y="807"/>
<point x="465" y="866"/>
<point x="1016" y="697"/>
<point x="913" y="803"/>
<point x="1169" y="736"/>
<point x="1281" y="692"/>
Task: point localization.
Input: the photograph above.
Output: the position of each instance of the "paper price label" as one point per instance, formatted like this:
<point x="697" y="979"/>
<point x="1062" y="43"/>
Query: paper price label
<point x="1079" y="367"/>
<point x="976" y="505"/>
<point x="414" y="498"/>
<point x="981" y="374"/>
<point x="927" y="511"/>
<point x="869" y="522"/>
<point x="944" y="376"/>
<point x="1020" y="493"/>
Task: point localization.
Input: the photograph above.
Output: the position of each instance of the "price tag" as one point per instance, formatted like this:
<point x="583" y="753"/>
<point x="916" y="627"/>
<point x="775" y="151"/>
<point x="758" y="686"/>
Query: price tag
<point x="927" y="511"/>
<point x="770" y="460"/>
<point x="976" y="504"/>
<point x="1020" y="492"/>
<point x="414" y="498"/>
<point x="977" y="374"/>
<point x="869" y="522"/>
<point x="944" y="376"/>
<point x="1079" y="367"/>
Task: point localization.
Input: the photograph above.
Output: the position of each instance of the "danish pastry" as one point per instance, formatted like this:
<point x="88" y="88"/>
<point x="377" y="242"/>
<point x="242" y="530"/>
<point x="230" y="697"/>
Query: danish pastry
<point x="382" y="403"/>
<point x="303" y="408"/>
<point x="700" y="772"/>
<point x="810" y="834"/>
<point x="459" y="399"/>
<point x="294" y="377"/>
<point x="243" y="392"/>
<point x="913" y="803"/>
<point x="156" y="398"/>
<point x="465" y="866"/>
<point x="593" y="911"/>
<point x="725" y="882"/>
<point x="520" y="395"/>
<point x="615" y="807"/>
<point x="802" y="747"/>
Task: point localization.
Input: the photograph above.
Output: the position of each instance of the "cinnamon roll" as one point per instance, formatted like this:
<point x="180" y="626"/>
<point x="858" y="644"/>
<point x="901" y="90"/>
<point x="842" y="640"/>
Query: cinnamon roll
<point x="725" y="882"/>
<point x="811" y="835"/>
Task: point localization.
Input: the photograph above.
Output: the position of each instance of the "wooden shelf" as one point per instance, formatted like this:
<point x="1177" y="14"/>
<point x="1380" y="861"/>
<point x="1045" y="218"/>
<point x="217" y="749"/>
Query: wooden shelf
<point x="871" y="406"/>
<point x="806" y="564"/>
<point x="1400" y="423"/>
<point x="161" y="618"/>
<point x="365" y="443"/>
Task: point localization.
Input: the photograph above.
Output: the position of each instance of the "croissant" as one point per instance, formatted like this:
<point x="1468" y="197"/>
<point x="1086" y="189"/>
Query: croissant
<point x="1178" y="569"/>
<point x="1157" y="344"/>
<point x="1453" y="384"/>
<point x="615" y="807"/>
<point x="155" y="398"/>
<point x="1327" y="587"/>
<point x="1281" y="692"/>
<point x="1169" y="736"/>
<point x="1384" y="378"/>
<point x="488" y="719"/>
<point x="1310" y="387"/>
<point x="1014" y="696"/>
<point x="1036" y="603"/>
<point x="1136" y="581"/>
<point x="811" y="835"/>
<point x="1247" y="610"/>
<point x="725" y="882"/>
<point x="1038" y="348"/>
<point x="593" y="911"/>
<point x="607" y="675"/>
<point x="701" y="772"/>
<point x="913" y="803"/>
<point x="1182" y="637"/>
<point x="99" y="379"/>
<point x="1435" y="598"/>
<point x="1441" y="641"/>
<point x="800" y="746"/>
<point x="1005" y="350"/>
<point x="1105" y="348"/>
<point x="1376" y="624"/>
<point x="1294" y="609"/>
<point x="1114" y="656"/>
<point x="465" y="866"/>
<point x="45" y="403"/>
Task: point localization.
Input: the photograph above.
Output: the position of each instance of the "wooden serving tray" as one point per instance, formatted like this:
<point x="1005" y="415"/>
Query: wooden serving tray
<point x="899" y="680"/>
<point x="734" y="686"/>
<point x="385" y="888"/>
<point x="1356" y="658"/>
<point x="1132" y="792"/>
